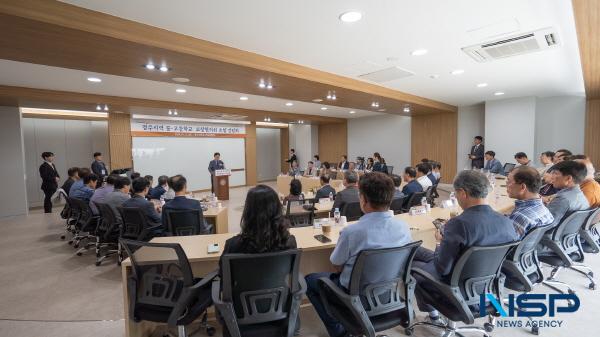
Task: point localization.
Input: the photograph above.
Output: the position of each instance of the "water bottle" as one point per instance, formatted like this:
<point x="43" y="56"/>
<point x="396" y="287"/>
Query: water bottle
<point x="453" y="199"/>
<point x="336" y="216"/>
<point x="162" y="200"/>
<point x="331" y="196"/>
<point x="425" y="204"/>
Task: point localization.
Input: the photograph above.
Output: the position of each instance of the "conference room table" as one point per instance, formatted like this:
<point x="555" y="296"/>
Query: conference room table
<point x="315" y="255"/>
<point x="308" y="184"/>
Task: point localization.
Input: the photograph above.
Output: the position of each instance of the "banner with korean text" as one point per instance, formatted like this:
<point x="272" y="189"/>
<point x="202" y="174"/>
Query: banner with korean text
<point x="163" y="128"/>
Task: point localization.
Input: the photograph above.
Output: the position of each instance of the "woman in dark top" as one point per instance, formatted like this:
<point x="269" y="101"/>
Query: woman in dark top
<point x="264" y="229"/>
<point x="295" y="191"/>
<point x="369" y="166"/>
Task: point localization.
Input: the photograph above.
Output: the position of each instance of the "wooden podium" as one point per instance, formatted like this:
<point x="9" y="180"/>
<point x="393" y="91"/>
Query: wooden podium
<point x="221" y="183"/>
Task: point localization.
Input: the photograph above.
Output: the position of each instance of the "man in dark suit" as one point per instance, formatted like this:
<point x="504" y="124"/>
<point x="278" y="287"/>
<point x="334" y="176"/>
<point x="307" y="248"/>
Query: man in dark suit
<point x="180" y="202"/>
<point x="160" y="189"/>
<point x="99" y="168"/>
<point x="292" y="157"/>
<point x="325" y="189"/>
<point x="349" y="193"/>
<point x="140" y="187"/>
<point x="343" y="165"/>
<point x="477" y="153"/>
<point x="50" y="179"/>
<point x="215" y="164"/>
<point x="478" y="225"/>
<point x="412" y="185"/>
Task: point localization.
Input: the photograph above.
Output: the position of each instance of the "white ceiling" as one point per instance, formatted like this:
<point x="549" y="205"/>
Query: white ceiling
<point x="54" y="78"/>
<point x="309" y="33"/>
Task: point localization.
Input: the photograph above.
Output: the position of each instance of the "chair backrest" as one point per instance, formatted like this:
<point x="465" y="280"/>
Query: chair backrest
<point x="397" y="204"/>
<point x="524" y="255"/>
<point x="182" y="222"/>
<point x="379" y="277"/>
<point x="134" y="222"/>
<point x="566" y="233"/>
<point x="352" y="211"/>
<point x="593" y="219"/>
<point x="298" y="216"/>
<point x="156" y="283"/>
<point x="84" y="212"/>
<point x="108" y="222"/>
<point x="414" y="199"/>
<point x="260" y="285"/>
<point x="478" y="269"/>
<point x="390" y="169"/>
<point x="508" y="167"/>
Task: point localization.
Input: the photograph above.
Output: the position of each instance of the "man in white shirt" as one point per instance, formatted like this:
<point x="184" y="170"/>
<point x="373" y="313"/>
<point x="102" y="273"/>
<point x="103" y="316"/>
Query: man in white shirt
<point x="546" y="159"/>
<point x="311" y="171"/>
<point x="522" y="159"/>
<point x="422" y="171"/>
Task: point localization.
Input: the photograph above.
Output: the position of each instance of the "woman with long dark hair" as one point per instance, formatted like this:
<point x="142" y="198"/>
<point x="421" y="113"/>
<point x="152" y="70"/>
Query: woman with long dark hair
<point x="295" y="191"/>
<point x="264" y="229"/>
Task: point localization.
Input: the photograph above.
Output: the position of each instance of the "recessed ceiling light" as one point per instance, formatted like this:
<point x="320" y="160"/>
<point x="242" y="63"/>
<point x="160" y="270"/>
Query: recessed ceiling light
<point x="434" y="76"/>
<point x="175" y="112"/>
<point x="419" y="52"/>
<point x="457" y="72"/>
<point x="98" y="107"/>
<point x="181" y="90"/>
<point x="323" y="108"/>
<point x="406" y="109"/>
<point x="352" y="111"/>
<point x="262" y="85"/>
<point x="317" y="100"/>
<point x="181" y="79"/>
<point x="94" y="79"/>
<point x="170" y="112"/>
<point x="150" y="66"/>
<point x="105" y="107"/>
<point x="351" y="16"/>
<point x="269" y="86"/>
<point x="244" y="98"/>
<point x="289" y="104"/>
<point x="163" y="68"/>
<point x="499" y="93"/>
<point x="482" y="85"/>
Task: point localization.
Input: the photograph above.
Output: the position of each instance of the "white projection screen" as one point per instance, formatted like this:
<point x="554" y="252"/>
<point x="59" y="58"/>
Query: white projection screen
<point x="188" y="156"/>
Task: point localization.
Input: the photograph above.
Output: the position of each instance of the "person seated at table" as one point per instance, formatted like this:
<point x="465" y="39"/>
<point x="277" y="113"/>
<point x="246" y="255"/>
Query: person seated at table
<point x="379" y="163"/>
<point x="135" y="175"/>
<point x="352" y="166"/>
<point x="295" y="191"/>
<point x="311" y="170"/>
<point x="548" y="188"/>
<point x="492" y="164"/>
<point x="436" y="168"/>
<point x="294" y="169"/>
<point x="349" y="193"/>
<point x="412" y="185"/>
<point x="317" y="161"/>
<point x="566" y="176"/>
<point x="522" y="159"/>
<point x="119" y="195"/>
<point x="523" y="184"/>
<point x="430" y="174"/>
<point x="73" y="174"/>
<point x="82" y="172"/>
<point x="169" y="194"/>
<point x="140" y="187"/>
<point x="160" y="189"/>
<point x="546" y="159"/>
<point x="325" y="189"/>
<point x="375" y="230"/>
<point x="101" y="192"/>
<point x="325" y="169"/>
<point x="560" y="155"/>
<point x="422" y="178"/>
<point x="343" y="164"/>
<point x="589" y="186"/>
<point x="360" y="163"/>
<point x="181" y="202"/>
<point x="369" y="166"/>
<point x="397" y="182"/>
<point x="477" y="225"/>
<point x="150" y="180"/>
<point x="87" y="189"/>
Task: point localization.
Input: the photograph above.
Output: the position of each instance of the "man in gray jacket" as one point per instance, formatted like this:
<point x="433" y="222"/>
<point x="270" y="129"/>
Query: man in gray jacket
<point x="567" y="176"/>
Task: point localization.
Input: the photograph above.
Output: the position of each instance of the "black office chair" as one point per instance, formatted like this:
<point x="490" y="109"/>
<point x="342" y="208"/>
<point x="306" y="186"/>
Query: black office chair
<point x="561" y="248"/>
<point x="508" y="167"/>
<point x="107" y="234"/>
<point x="85" y="226"/>
<point x="69" y="215"/>
<point x="259" y="294"/>
<point x="429" y="195"/>
<point x="476" y="272"/>
<point x="397" y="205"/>
<point x="390" y="169"/>
<point x="434" y="192"/>
<point x="182" y="222"/>
<point x="414" y="200"/>
<point x="166" y="292"/>
<point x="380" y="294"/>
<point x="352" y="211"/>
<point x="300" y="216"/>
<point x="135" y="226"/>
<point x="590" y="234"/>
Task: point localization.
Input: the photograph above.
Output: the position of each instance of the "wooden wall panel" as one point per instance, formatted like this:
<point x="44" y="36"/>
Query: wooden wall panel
<point x="333" y="141"/>
<point x="284" y="137"/>
<point x="251" y="171"/>
<point x="587" y="22"/>
<point x="434" y="137"/>
<point x="592" y="131"/>
<point x="119" y="139"/>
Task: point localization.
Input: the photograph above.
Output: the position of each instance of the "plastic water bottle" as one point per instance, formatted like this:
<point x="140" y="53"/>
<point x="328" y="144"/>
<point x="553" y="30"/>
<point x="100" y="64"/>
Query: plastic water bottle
<point x="331" y="196"/>
<point x="336" y="216"/>
<point x="425" y="204"/>
<point x="162" y="200"/>
<point x="453" y="199"/>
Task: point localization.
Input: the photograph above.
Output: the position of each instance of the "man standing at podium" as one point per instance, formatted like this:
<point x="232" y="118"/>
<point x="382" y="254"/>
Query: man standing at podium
<point x="215" y="164"/>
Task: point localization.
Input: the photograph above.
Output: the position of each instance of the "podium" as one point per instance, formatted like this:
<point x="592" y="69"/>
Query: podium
<point x="221" y="183"/>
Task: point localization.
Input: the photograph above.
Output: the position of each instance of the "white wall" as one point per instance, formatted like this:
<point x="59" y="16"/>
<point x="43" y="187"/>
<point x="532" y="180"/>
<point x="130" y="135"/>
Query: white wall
<point x="12" y="164"/>
<point x="268" y="153"/>
<point x="301" y="140"/>
<point x="510" y="127"/>
<point x="73" y="142"/>
<point x="387" y="134"/>
<point x="559" y="123"/>
<point x="471" y="123"/>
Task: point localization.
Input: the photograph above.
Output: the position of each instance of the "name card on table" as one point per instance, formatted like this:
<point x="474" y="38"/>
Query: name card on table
<point x="223" y="172"/>
<point x="417" y="210"/>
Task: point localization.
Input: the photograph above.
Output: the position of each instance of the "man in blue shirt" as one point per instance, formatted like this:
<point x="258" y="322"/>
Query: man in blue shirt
<point x="160" y="189"/>
<point x="376" y="229"/>
<point x="140" y="188"/>
<point x="77" y="185"/>
<point x="412" y="185"/>
<point x="87" y="189"/>
<point x="181" y="202"/>
<point x="523" y="184"/>
<point x="492" y="164"/>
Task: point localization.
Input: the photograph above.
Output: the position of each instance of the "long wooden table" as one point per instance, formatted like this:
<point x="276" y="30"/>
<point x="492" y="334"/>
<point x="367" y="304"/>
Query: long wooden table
<point x="308" y="183"/>
<point x="315" y="255"/>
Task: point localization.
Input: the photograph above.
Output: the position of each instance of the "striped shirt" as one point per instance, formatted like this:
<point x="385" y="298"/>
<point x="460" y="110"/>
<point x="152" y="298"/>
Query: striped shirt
<point x="529" y="214"/>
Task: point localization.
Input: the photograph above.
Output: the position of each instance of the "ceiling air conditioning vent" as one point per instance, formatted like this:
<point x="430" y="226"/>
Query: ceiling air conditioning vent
<point x="538" y="40"/>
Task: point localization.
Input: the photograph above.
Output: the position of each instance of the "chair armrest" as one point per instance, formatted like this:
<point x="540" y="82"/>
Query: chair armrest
<point x="188" y="296"/>
<point x="225" y="309"/>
